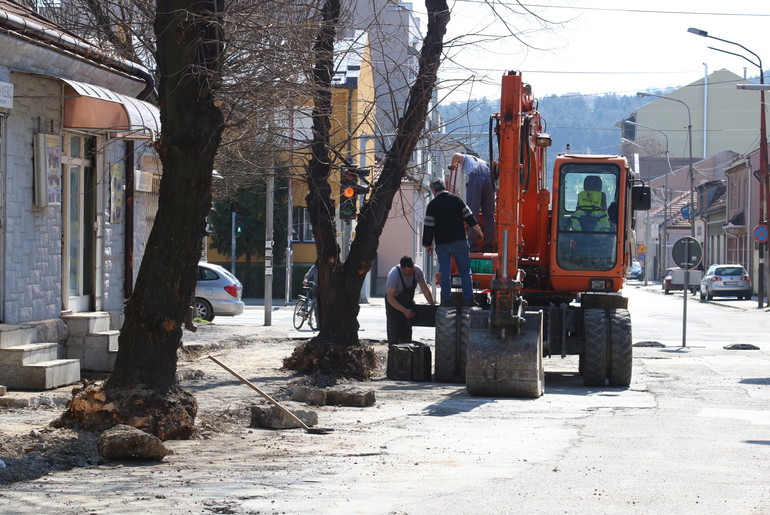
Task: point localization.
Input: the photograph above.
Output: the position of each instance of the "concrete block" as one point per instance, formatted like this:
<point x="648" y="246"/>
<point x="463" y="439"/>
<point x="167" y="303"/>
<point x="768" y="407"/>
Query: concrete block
<point x="2" y="390"/>
<point x="51" y="330"/>
<point x="14" y="402"/>
<point x="43" y="375"/>
<point x="98" y="360"/>
<point x="29" y="353"/>
<point x="312" y="396"/>
<point x="83" y="324"/>
<point x="106" y="340"/>
<point x="271" y="417"/>
<point x="349" y="396"/>
<point x="15" y="335"/>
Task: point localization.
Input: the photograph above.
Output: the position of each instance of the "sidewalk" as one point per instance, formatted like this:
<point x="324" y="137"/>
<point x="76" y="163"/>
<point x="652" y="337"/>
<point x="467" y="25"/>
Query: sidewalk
<point x="731" y="302"/>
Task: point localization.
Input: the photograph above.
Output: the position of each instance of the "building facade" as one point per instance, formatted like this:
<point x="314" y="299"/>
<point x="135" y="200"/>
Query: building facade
<point x="78" y="191"/>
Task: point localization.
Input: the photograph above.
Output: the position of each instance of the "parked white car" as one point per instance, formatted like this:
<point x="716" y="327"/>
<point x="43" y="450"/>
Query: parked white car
<point x="726" y="281"/>
<point x="218" y="292"/>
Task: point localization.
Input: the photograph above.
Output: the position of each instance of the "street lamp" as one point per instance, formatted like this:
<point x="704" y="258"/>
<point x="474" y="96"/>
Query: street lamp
<point x="764" y="183"/>
<point x="665" y="193"/>
<point x="689" y="137"/>
<point x="686" y="292"/>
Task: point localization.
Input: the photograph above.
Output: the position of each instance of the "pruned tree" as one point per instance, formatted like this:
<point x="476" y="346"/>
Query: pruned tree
<point x="336" y="348"/>
<point x="190" y="43"/>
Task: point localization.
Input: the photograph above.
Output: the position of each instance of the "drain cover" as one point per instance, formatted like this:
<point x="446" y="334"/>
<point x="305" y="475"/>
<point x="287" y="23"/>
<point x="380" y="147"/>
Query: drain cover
<point x="648" y="344"/>
<point x="741" y="346"/>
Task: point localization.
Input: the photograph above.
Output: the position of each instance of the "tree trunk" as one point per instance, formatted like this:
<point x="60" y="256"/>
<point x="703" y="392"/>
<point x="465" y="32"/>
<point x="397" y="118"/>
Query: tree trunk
<point x="340" y="284"/>
<point x="189" y="52"/>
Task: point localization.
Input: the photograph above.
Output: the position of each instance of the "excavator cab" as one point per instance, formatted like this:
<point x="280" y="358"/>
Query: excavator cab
<point x="587" y="214"/>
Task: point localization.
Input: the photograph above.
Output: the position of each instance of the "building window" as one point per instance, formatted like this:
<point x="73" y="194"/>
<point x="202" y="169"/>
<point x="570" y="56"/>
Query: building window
<point x="302" y="230"/>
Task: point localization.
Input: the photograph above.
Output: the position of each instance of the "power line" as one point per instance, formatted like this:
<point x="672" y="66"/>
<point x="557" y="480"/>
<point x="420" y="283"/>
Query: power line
<point x="619" y="10"/>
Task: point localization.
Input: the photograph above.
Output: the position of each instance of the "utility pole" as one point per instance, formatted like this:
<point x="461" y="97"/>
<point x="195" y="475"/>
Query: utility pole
<point x="269" y="207"/>
<point x="289" y="230"/>
<point x="232" y="240"/>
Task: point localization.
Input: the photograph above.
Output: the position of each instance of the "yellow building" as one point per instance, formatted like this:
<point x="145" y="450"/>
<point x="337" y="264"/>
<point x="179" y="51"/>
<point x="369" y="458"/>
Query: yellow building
<point x="352" y="128"/>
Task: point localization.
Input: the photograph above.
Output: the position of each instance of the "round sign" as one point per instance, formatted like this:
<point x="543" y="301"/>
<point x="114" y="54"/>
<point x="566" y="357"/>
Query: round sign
<point x="760" y="232"/>
<point x="687" y="252"/>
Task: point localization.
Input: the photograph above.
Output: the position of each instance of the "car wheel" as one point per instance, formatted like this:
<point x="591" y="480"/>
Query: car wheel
<point x="709" y="295"/>
<point x="702" y="296"/>
<point x="667" y="291"/>
<point x="203" y="309"/>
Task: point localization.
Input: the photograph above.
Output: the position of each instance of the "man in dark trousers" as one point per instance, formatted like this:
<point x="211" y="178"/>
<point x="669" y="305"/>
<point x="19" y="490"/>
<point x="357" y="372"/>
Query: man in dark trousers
<point x="399" y="299"/>
<point x="445" y="219"/>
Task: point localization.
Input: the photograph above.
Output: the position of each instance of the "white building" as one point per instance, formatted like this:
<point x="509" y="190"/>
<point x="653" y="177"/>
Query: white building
<point x="77" y="198"/>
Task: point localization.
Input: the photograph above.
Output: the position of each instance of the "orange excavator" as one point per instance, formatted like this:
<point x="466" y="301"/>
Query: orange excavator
<point x="553" y="286"/>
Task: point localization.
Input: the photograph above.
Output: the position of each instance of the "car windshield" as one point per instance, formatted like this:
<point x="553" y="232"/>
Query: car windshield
<point x="730" y="270"/>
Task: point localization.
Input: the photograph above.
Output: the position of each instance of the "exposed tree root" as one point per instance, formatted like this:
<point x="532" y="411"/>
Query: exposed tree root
<point x="169" y="416"/>
<point x="347" y="361"/>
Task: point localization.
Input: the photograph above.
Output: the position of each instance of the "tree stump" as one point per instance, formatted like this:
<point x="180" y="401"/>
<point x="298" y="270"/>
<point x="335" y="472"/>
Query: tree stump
<point x="169" y="416"/>
<point x="348" y="361"/>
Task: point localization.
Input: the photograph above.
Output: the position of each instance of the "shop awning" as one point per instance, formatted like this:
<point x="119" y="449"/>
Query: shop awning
<point x="92" y="107"/>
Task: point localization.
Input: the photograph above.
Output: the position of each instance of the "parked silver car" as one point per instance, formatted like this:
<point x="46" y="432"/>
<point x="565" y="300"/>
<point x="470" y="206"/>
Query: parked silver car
<point x="725" y="281"/>
<point x="218" y="292"/>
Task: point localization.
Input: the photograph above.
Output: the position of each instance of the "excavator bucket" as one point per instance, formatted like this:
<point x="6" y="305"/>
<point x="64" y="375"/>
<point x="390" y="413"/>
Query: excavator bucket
<point x="508" y="366"/>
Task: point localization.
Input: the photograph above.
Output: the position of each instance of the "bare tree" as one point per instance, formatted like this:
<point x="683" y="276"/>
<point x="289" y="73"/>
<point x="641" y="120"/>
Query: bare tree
<point x="336" y="349"/>
<point x="190" y="43"/>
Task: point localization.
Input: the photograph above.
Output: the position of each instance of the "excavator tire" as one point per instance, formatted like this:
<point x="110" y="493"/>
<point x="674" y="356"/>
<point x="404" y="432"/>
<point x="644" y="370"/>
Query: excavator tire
<point x="595" y="356"/>
<point x="511" y="366"/>
<point x="621" y="348"/>
<point x="452" y="333"/>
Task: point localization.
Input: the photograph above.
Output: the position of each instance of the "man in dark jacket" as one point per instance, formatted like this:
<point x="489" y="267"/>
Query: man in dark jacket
<point x="445" y="220"/>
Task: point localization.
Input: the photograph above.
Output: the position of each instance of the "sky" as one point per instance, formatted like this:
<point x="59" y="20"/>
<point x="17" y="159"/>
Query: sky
<point x="598" y="46"/>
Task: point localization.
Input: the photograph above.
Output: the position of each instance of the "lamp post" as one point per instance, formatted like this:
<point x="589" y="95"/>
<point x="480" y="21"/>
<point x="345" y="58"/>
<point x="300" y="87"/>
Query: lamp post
<point x="686" y="285"/>
<point x="691" y="170"/>
<point x="665" y="194"/>
<point x="764" y="182"/>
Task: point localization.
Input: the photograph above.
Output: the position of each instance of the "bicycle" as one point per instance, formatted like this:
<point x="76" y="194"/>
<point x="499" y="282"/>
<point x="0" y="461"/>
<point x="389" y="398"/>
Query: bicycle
<point x="305" y="309"/>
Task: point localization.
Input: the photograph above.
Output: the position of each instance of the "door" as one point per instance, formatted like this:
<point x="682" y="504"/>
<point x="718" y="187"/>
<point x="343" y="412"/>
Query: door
<point x="79" y="222"/>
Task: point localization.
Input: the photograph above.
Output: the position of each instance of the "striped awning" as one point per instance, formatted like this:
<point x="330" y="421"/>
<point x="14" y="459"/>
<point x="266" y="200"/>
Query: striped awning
<point x="93" y="107"/>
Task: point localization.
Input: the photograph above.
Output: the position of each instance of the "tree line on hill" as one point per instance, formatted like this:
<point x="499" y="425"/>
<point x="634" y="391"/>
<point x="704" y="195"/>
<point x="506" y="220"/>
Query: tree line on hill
<point x="583" y="124"/>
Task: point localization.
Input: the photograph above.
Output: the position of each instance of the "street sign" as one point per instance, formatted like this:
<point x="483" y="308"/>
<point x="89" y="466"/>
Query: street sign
<point x="641" y="257"/>
<point x="641" y="249"/>
<point x="687" y="252"/>
<point x="760" y="233"/>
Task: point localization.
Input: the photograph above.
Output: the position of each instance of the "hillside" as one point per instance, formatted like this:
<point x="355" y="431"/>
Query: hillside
<point x="587" y="123"/>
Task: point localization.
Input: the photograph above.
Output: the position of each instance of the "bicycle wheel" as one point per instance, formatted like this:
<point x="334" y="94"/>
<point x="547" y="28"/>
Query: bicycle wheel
<point x="312" y="318"/>
<point x="299" y="313"/>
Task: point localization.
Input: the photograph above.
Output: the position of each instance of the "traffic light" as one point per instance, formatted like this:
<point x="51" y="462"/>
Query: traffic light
<point x="348" y="189"/>
<point x="238" y="224"/>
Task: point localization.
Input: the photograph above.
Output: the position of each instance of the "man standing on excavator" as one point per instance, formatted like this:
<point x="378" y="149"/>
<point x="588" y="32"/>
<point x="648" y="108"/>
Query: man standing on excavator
<point x="480" y="196"/>
<point x="445" y="219"/>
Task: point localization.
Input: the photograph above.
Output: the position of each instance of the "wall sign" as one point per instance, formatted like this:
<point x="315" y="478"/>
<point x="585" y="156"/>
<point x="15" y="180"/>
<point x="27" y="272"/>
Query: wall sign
<point x="6" y="95"/>
<point x="47" y="178"/>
